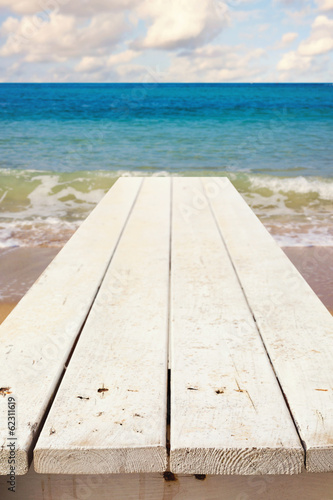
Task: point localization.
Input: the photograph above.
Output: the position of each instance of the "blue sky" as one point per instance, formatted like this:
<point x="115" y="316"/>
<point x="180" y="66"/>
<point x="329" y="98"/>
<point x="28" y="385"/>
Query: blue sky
<point x="166" y="40"/>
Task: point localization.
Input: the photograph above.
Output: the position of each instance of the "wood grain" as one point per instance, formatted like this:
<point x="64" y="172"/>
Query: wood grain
<point x="295" y="326"/>
<point x="109" y="415"/>
<point x="37" y="338"/>
<point x="228" y="415"/>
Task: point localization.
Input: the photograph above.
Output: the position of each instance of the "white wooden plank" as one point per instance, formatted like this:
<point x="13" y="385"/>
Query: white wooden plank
<point x="38" y="336"/>
<point x="110" y="412"/>
<point x="296" y="327"/>
<point x="228" y="415"/>
<point x="35" y="486"/>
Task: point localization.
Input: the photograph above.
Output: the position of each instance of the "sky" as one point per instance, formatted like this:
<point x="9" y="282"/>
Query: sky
<point x="166" y="41"/>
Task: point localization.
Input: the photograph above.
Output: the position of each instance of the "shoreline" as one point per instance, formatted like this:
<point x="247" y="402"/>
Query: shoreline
<point x="21" y="266"/>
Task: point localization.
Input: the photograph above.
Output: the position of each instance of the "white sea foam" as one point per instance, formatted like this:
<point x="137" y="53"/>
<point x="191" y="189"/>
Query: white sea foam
<point x="302" y="185"/>
<point x="44" y="208"/>
<point x="50" y="232"/>
<point x="316" y="236"/>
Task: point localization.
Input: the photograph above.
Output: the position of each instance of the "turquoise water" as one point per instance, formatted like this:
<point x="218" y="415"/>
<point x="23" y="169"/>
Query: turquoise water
<point x="62" y="146"/>
<point x="280" y="129"/>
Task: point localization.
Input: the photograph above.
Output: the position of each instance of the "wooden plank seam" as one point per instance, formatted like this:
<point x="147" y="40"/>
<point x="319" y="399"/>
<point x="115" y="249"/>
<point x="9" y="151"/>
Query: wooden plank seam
<point x="129" y="434"/>
<point x="168" y="416"/>
<point x="94" y="308"/>
<point x="312" y="426"/>
<point x="294" y="323"/>
<point x="38" y="428"/>
<point x="209" y="312"/>
<point x="38" y="431"/>
<point x="254" y="318"/>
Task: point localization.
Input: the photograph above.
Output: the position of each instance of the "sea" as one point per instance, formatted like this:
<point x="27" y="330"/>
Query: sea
<point x="62" y="146"/>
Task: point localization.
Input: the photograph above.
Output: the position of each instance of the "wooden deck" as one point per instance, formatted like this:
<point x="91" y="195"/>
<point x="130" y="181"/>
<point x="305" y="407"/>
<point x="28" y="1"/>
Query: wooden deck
<point x="171" y="333"/>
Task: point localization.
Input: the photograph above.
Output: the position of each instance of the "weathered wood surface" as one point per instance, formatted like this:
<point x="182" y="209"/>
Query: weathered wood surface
<point x="232" y="287"/>
<point x="228" y="415"/>
<point x="37" y="338"/>
<point x="35" y="486"/>
<point x="110" y="412"/>
<point x="295" y="326"/>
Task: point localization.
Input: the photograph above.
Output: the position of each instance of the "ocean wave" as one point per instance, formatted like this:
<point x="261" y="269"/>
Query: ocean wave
<point x="50" y="232"/>
<point x="321" y="188"/>
<point x="44" y="208"/>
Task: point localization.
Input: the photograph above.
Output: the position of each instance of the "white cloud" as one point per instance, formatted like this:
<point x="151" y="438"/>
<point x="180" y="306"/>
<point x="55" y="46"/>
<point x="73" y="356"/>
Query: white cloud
<point x="301" y="17"/>
<point x="292" y="61"/>
<point x="117" y="68"/>
<point x="86" y="35"/>
<point x="122" y="57"/>
<point x="288" y="38"/>
<point x="325" y="5"/>
<point x="292" y="3"/>
<point x="263" y="27"/>
<point x="172" y="23"/>
<point x="205" y="64"/>
<point x="321" y="38"/>
<point x="90" y="64"/>
<point x="178" y="24"/>
<point x="216" y="64"/>
<point x="316" y="47"/>
<point x="60" y="30"/>
<point x="58" y="37"/>
<point x="296" y="68"/>
<point x="21" y="6"/>
<point x="304" y="60"/>
<point x="78" y="8"/>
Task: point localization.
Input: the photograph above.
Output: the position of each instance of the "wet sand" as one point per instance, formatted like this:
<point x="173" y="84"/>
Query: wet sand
<point x="316" y="266"/>
<point x="5" y="309"/>
<point x="20" y="267"/>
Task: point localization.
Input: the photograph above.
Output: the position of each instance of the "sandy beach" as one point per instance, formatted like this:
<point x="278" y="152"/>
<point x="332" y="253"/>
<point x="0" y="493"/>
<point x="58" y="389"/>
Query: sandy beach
<point x="316" y="266"/>
<point x="20" y="267"/>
